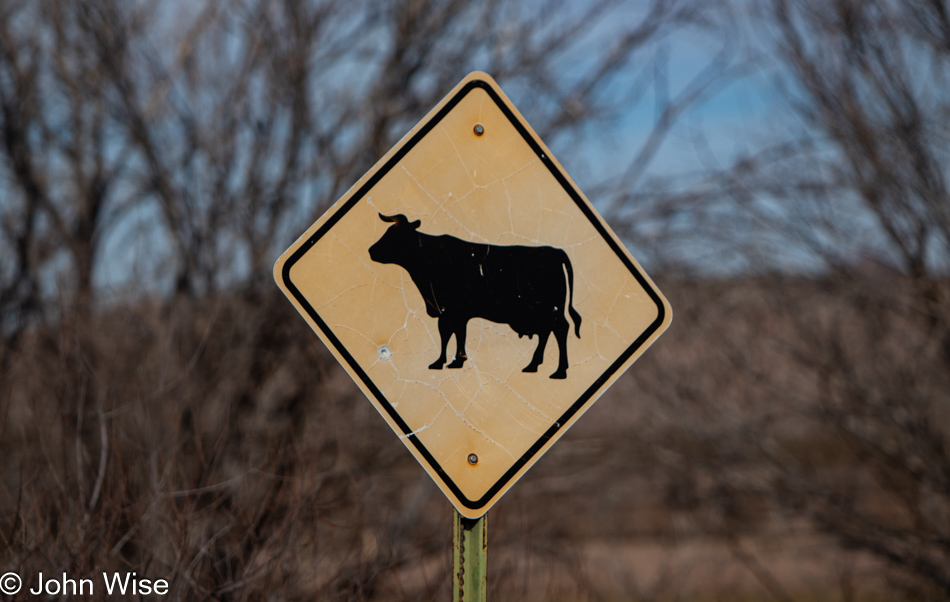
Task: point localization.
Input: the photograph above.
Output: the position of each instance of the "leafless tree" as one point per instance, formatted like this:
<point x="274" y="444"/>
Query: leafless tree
<point x="196" y="428"/>
<point x="833" y="400"/>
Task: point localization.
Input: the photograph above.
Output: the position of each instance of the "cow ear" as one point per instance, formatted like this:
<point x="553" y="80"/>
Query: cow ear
<point x="415" y="225"/>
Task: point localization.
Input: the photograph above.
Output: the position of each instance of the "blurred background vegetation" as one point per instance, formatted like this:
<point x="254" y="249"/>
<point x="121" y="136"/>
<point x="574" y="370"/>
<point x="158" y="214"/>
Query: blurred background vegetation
<point x="163" y="409"/>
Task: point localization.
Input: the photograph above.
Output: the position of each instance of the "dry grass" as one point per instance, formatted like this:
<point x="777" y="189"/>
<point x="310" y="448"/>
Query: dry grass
<point x="216" y="444"/>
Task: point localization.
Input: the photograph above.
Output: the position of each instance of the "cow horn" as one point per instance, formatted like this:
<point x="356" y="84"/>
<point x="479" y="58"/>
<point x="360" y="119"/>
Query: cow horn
<point x="399" y="219"/>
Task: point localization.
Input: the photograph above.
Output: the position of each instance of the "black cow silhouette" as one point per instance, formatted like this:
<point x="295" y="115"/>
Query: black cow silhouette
<point x="459" y="280"/>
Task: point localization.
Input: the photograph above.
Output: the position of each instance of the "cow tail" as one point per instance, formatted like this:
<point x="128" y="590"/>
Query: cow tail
<point x="570" y="297"/>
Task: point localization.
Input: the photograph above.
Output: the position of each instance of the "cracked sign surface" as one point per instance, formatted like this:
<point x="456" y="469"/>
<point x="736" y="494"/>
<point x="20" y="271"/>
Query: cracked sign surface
<point x="447" y="196"/>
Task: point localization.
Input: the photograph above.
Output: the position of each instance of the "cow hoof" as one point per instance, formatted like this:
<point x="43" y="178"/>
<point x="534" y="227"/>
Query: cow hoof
<point x="560" y="374"/>
<point x="530" y="369"/>
<point x="436" y="365"/>
<point x="457" y="363"/>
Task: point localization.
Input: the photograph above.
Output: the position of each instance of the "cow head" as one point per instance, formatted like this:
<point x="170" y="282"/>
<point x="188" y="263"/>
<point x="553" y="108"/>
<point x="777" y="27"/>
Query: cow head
<point x="398" y="243"/>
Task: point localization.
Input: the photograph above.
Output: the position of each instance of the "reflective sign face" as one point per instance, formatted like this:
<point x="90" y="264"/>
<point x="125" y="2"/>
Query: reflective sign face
<point x="473" y="294"/>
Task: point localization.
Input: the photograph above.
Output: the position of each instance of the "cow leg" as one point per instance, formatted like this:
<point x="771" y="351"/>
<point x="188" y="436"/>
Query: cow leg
<point x="445" y="332"/>
<point x="460" y="356"/>
<point x="538" y="353"/>
<point x="561" y="329"/>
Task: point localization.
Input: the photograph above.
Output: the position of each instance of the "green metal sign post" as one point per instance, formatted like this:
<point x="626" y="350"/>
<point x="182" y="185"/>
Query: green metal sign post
<point x="470" y="559"/>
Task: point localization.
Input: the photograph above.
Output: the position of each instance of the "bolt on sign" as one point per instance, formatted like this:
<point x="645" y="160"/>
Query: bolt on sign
<point x="474" y="294"/>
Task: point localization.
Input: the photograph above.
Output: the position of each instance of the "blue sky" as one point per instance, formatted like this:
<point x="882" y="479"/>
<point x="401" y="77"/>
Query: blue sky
<point x="740" y="117"/>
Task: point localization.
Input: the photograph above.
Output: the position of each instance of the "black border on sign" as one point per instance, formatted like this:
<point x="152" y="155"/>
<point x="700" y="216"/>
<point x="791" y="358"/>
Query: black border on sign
<point x="584" y="207"/>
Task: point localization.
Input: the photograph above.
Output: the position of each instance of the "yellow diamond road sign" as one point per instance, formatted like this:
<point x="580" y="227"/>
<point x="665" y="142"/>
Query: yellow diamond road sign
<point x="474" y="294"/>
